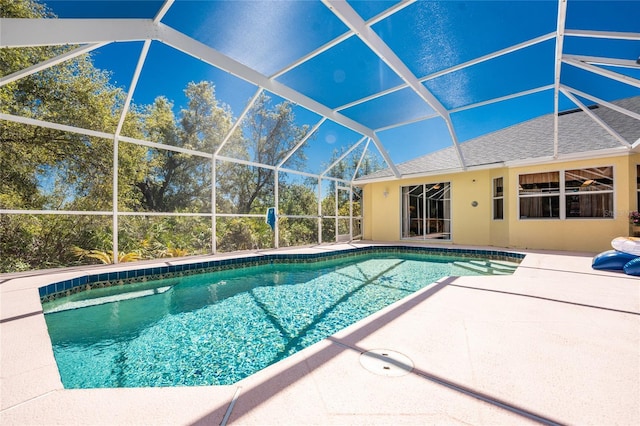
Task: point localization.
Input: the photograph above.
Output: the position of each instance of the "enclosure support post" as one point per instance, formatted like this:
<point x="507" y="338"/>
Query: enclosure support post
<point x="319" y="195"/>
<point x="350" y="212"/>
<point x="114" y="222"/>
<point x="276" y="228"/>
<point x="213" y="204"/>
<point x="335" y="211"/>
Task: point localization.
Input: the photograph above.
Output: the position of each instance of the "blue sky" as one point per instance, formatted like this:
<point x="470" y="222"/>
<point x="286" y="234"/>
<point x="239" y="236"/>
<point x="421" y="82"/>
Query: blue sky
<point x="426" y="36"/>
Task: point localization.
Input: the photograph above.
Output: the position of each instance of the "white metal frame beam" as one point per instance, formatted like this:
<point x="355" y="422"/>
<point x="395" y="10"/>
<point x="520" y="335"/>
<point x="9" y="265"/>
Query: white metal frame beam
<point x="97" y="134"/>
<point x="351" y="18"/>
<point x="597" y="60"/>
<point x="385" y="156"/>
<point x="94" y="33"/>
<point x="402" y="123"/>
<point x="238" y="121"/>
<point x="503" y="98"/>
<point x="163" y="10"/>
<point x="61" y="127"/>
<point x="133" y="85"/>
<point x="603" y="34"/>
<point x="470" y="106"/>
<point x="313" y="54"/>
<point x="343" y="156"/>
<point x="364" y="152"/>
<point x="194" y="48"/>
<point x="301" y="142"/>
<point x="454" y="68"/>
<point x="490" y="56"/>
<point x="49" y="63"/>
<point x="393" y="9"/>
<point x="562" y="15"/>
<point x="39" y="32"/>
<point x="602" y="102"/>
<point x="595" y="118"/>
<point x="601" y="71"/>
<point x="16" y="32"/>
<point x="116" y="162"/>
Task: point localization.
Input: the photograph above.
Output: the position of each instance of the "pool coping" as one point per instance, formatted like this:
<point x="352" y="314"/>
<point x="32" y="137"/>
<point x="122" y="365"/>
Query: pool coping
<point x="32" y="392"/>
<point x="134" y="274"/>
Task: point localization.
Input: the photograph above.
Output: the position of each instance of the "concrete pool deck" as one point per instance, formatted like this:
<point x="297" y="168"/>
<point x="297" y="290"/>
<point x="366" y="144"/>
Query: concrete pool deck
<point x="556" y="342"/>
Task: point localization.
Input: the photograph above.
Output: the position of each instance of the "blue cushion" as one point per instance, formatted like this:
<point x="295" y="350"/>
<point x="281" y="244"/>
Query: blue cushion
<point x="612" y="260"/>
<point x="632" y="267"/>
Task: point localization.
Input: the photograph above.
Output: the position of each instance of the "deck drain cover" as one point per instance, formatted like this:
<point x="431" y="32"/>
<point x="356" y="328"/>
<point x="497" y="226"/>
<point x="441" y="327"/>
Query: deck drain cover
<point x="386" y="363"/>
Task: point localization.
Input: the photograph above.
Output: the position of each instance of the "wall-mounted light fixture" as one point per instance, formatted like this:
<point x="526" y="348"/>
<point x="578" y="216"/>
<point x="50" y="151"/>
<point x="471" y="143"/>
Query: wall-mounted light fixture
<point x="386" y="192"/>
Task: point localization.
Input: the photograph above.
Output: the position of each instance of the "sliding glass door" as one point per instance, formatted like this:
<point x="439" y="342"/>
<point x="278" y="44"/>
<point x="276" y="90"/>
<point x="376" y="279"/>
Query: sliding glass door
<point x="426" y="211"/>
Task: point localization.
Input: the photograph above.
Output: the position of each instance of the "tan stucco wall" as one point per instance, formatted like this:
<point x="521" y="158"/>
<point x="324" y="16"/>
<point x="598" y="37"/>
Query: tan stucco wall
<point x="469" y="224"/>
<point x="474" y="225"/>
<point x="381" y="216"/>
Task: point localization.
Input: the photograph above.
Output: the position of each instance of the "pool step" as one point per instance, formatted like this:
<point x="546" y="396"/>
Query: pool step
<point x="108" y="299"/>
<point x="488" y="267"/>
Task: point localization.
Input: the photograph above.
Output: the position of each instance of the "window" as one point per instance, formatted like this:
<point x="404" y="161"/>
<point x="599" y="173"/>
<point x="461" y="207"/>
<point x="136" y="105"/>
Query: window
<point x="577" y="193"/>
<point x="498" y="199"/>
<point x="426" y="211"/>
<point x="589" y="192"/>
<point x="539" y="195"/>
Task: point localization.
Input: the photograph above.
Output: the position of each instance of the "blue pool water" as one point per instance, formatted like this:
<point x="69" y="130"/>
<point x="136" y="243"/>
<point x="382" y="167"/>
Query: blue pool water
<point x="218" y="328"/>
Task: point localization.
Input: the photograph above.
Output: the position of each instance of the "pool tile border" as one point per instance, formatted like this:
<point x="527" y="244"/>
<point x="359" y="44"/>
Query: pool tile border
<point x="65" y="288"/>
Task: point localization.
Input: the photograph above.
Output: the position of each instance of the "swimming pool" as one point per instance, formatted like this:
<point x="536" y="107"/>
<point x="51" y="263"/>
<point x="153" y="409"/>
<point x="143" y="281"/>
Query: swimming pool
<point x="218" y="327"/>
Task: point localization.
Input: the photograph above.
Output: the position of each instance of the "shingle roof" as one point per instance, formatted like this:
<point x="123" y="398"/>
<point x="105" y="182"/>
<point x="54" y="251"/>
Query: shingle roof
<point x="530" y="140"/>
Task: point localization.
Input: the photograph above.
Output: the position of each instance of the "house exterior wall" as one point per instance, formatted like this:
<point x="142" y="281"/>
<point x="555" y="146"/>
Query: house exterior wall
<point x="381" y="213"/>
<point x="475" y="225"/>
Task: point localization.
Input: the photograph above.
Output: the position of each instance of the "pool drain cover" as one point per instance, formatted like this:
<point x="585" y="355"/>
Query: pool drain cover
<point x="386" y="363"/>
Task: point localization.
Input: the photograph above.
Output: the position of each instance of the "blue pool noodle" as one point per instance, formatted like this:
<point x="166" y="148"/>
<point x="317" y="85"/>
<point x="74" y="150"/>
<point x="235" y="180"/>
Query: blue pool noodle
<point x="613" y="260"/>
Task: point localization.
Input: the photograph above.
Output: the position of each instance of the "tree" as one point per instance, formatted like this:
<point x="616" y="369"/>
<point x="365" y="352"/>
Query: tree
<point x="47" y="169"/>
<point x="298" y="200"/>
<point x="270" y="134"/>
<point x="43" y="168"/>
<point x="178" y="181"/>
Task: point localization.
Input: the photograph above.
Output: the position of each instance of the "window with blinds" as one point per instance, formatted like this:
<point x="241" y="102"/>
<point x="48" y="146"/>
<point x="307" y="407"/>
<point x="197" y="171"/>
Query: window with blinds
<point x="575" y="193"/>
<point x="539" y="195"/>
